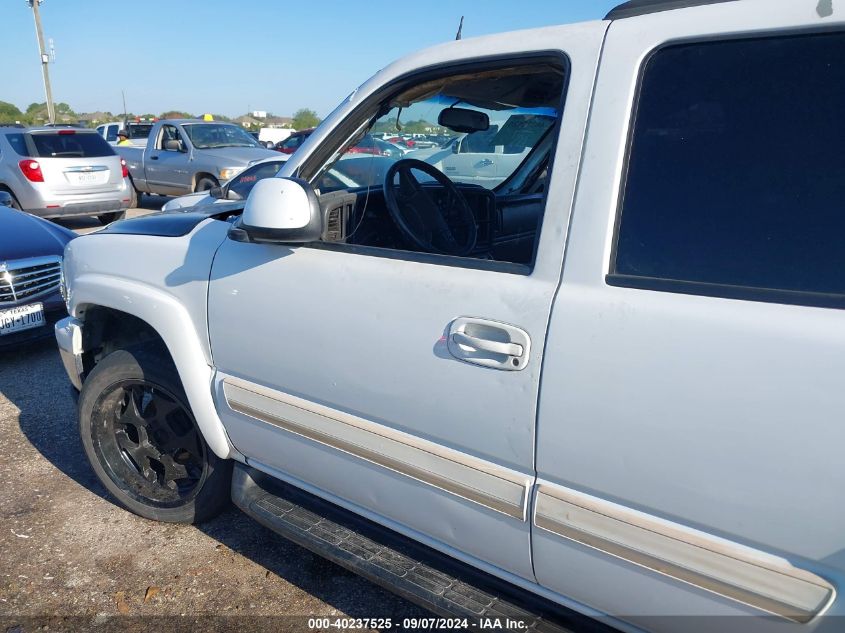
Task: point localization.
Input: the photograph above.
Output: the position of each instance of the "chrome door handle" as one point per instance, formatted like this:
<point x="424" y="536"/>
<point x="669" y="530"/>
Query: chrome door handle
<point x="486" y="345"/>
<point x="489" y="343"/>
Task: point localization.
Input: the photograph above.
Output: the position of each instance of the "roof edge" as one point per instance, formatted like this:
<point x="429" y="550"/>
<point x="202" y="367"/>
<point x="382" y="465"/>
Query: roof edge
<point x="633" y="8"/>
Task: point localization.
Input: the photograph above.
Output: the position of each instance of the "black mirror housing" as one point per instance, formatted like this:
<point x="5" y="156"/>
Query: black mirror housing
<point x="463" y="120"/>
<point x="5" y="199"/>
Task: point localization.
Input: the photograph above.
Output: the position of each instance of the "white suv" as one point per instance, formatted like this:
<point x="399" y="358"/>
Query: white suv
<point x="58" y="172"/>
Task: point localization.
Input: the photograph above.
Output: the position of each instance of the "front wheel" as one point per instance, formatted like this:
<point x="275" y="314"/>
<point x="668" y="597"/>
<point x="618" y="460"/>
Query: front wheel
<point x="143" y="442"/>
<point x="206" y="183"/>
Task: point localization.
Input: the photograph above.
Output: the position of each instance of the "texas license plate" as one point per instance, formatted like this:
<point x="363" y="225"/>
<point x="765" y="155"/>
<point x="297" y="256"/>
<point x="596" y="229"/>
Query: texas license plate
<point x="21" y="318"/>
<point x="85" y="178"/>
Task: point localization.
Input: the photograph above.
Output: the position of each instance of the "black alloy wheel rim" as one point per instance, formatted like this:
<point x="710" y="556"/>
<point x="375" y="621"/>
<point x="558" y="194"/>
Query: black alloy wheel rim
<point x="148" y="443"/>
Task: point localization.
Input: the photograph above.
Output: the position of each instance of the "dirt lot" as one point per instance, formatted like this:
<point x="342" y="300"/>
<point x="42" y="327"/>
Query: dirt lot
<point x="72" y="560"/>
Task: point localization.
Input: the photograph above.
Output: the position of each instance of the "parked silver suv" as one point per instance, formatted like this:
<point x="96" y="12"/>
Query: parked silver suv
<point x="54" y="172"/>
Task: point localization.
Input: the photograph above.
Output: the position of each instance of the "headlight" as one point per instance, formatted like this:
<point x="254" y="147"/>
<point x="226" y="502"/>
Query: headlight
<point x="229" y="172"/>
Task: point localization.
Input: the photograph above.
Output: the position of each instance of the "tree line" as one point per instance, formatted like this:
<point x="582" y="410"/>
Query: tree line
<point x="36" y="114"/>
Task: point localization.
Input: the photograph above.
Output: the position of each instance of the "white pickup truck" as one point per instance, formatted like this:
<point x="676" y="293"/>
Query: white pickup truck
<point x="139" y="131"/>
<point x="608" y="387"/>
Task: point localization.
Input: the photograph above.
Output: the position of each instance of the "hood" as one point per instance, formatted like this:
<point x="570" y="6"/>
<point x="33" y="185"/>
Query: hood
<point x="184" y="202"/>
<point x="23" y="235"/>
<point x="202" y="202"/>
<point x="243" y="155"/>
<point x="167" y="224"/>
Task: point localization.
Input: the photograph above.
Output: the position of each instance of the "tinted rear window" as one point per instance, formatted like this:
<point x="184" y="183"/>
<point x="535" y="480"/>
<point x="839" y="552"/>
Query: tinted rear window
<point x="737" y="167"/>
<point x="58" y="145"/>
<point x="140" y="130"/>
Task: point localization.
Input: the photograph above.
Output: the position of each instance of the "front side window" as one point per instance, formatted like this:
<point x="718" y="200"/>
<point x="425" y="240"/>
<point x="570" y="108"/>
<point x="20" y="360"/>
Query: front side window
<point x="111" y="134"/>
<point x="482" y="157"/>
<point x="736" y="174"/>
<point x="170" y="139"/>
<point x="430" y="166"/>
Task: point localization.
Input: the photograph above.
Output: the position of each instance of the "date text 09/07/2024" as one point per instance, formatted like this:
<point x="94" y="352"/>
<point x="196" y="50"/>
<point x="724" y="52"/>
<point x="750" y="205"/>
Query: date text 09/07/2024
<point x="435" y="624"/>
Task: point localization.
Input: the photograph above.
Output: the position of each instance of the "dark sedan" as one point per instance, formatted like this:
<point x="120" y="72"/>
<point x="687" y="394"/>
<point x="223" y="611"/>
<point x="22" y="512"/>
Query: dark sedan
<point x="292" y="142"/>
<point x="31" y="251"/>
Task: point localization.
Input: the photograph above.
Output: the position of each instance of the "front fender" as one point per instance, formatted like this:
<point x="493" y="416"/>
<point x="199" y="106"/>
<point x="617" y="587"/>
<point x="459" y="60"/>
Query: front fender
<point x="162" y="281"/>
<point x="173" y="323"/>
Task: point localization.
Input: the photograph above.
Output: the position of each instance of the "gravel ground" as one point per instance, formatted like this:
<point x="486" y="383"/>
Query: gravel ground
<point x="70" y="559"/>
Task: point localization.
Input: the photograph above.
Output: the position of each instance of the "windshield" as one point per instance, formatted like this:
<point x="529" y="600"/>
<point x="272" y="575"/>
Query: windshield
<point x="213" y="135"/>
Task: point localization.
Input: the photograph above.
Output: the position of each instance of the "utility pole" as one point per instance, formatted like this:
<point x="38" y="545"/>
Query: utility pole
<point x="45" y="58"/>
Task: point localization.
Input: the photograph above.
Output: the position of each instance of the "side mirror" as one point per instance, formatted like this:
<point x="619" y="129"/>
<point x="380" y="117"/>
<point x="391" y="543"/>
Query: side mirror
<point x="5" y="199"/>
<point x="456" y="146"/>
<point x="172" y="145"/>
<point x="282" y="210"/>
<point x="463" y="120"/>
<point x="217" y="193"/>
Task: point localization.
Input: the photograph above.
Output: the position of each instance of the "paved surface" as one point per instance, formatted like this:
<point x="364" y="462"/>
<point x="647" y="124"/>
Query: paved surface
<point x="69" y="554"/>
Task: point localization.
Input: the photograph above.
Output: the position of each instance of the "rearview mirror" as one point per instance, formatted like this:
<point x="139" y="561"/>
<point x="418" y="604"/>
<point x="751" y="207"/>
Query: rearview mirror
<point x="5" y="199"/>
<point x="282" y="210"/>
<point x="463" y="120"/>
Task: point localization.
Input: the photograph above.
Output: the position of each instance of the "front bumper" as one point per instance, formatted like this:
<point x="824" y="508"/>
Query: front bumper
<point x="69" y="339"/>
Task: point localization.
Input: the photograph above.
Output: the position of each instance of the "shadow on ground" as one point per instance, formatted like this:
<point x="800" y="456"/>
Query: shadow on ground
<point x="33" y="380"/>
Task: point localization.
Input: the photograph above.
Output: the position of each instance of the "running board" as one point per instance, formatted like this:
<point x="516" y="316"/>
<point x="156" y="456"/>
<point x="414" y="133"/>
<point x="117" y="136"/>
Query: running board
<point x="414" y="571"/>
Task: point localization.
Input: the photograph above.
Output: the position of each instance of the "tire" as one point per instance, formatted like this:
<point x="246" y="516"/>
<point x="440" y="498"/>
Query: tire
<point x="15" y="203"/>
<point x="134" y="198"/>
<point x="205" y="183"/>
<point x="108" y="218"/>
<point x="143" y="443"/>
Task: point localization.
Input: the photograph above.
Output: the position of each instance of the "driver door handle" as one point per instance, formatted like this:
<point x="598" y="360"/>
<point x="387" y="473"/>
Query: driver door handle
<point x="489" y="343"/>
<point x="486" y="345"/>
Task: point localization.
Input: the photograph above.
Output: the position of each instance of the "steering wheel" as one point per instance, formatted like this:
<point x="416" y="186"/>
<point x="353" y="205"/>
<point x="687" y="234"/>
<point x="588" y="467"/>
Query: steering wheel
<point x="420" y="219"/>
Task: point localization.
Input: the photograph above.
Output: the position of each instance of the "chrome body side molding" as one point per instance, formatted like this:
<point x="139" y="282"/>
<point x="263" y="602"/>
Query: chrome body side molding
<point x="749" y="576"/>
<point x="471" y="478"/>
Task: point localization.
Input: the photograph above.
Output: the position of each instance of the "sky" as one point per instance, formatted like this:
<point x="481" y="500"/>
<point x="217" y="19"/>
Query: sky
<point x="233" y="57"/>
